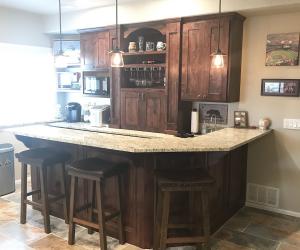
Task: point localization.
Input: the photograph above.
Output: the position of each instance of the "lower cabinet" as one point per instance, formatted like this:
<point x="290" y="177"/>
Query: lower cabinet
<point x="143" y="109"/>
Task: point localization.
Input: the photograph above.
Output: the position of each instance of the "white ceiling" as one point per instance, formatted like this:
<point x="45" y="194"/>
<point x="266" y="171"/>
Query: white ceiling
<point x="46" y="7"/>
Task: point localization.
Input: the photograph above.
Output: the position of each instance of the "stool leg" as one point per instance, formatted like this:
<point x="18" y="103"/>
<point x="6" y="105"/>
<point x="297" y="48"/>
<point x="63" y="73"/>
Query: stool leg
<point x="164" y="220"/>
<point x="45" y="202"/>
<point x="71" y="238"/>
<point x="101" y="215"/>
<point x="90" y="211"/>
<point x="158" y="216"/>
<point x="23" y="193"/>
<point x="205" y="217"/>
<point x="64" y="191"/>
<point x="120" y="207"/>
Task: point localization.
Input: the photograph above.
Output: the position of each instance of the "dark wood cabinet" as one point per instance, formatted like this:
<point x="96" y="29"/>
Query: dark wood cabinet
<point x="88" y="50"/>
<point x="143" y="110"/>
<point x="94" y="50"/>
<point x="102" y="49"/>
<point x="201" y="82"/>
<point x="131" y="110"/>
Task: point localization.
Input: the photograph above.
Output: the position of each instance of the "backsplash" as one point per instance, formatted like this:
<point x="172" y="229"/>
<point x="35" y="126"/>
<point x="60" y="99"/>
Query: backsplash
<point x="85" y="101"/>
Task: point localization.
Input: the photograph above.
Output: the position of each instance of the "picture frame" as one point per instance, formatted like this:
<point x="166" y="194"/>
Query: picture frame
<point x="280" y="87"/>
<point x="209" y="111"/>
<point x="282" y="49"/>
<point x="240" y="119"/>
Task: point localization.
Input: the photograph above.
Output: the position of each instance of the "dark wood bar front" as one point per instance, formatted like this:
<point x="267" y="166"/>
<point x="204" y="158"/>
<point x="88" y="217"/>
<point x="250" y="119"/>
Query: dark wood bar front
<point x="228" y="168"/>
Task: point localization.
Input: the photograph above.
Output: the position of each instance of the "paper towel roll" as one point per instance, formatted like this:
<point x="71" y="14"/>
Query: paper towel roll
<point x="195" y="121"/>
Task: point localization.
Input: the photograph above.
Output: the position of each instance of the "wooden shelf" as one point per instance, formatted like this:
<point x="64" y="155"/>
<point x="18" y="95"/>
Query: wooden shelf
<point x="163" y="52"/>
<point x="61" y="90"/>
<point x="141" y="65"/>
<point x="144" y="88"/>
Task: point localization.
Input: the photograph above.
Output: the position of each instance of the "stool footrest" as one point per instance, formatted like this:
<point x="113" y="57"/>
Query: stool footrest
<point x="56" y="198"/>
<point x="33" y="203"/>
<point x="174" y="226"/>
<point x="33" y="192"/>
<point x="86" y="223"/>
<point x="187" y="240"/>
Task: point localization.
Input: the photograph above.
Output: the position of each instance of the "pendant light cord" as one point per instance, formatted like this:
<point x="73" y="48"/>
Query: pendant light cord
<point x="60" y="34"/>
<point x="117" y="33"/>
<point x="219" y="26"/>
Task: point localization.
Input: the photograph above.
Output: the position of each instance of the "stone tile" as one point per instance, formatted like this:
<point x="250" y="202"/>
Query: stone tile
<point x="23" y="233"/>
<point x="58" y="226"/>
<point x="285" y="246"/>
<point x="239" y="221"/>
<point x="11" y="244"/>
<point x="53" y="242"/>
<point x="15" y="197"/>
<point x="247" y="240"/>
<point x="92" y="241"/>
<point x="226" y="245"/>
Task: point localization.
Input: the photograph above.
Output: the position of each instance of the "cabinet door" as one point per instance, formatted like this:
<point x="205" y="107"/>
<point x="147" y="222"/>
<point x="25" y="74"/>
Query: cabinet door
<point x="154" y="111"/>
<point x="130" y="110"/>
<point x="102" y="49"/>
<point x="218" y="81"/>
<point x="172" y="73"/>
<point x="88" y="50"/>
<point x="199" y="80"/>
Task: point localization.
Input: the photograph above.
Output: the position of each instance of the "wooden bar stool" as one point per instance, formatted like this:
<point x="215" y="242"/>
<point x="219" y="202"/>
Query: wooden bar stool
<point x="97" y="171"/>
<point x="171" y="181"/>
<point x="42" y="158"/>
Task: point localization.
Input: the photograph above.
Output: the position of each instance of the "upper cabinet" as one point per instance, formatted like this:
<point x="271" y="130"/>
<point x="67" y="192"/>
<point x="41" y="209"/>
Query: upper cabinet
<point x="95" y="47"/>
<point x="201" y="82"/>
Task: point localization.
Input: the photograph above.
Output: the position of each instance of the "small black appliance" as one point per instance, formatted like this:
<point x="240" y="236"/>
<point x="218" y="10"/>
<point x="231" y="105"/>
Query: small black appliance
<point x="73" y="112"/>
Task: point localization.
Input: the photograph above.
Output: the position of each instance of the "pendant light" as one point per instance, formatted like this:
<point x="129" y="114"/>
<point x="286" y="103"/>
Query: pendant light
<point x="217" y="60"/>
<point x="116" y="54"/>
<point x="60" y="59"/>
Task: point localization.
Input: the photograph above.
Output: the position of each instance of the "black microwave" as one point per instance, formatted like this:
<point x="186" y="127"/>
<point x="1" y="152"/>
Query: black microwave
<point x="96" y="83"/>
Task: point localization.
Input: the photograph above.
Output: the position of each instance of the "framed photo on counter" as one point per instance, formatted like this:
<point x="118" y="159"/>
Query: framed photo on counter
<point x="280" y="87"/>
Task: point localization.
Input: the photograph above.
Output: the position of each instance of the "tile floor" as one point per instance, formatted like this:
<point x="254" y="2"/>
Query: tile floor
<point x="248" y="229"/>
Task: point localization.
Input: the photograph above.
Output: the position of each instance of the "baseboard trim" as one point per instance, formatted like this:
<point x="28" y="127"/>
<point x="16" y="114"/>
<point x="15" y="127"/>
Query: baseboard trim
<point x="273" y="209"/>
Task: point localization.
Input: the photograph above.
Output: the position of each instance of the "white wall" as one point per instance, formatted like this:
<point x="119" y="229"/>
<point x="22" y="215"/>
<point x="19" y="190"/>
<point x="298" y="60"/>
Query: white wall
<point x="141" y="11"/>
<point x="19" y="27"/>
<point x="274" y="160"/>
<point x="24" y="31"/>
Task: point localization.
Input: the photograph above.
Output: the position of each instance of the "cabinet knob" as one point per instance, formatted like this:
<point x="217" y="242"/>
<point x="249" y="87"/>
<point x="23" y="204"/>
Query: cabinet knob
<point x="199" y="95"/>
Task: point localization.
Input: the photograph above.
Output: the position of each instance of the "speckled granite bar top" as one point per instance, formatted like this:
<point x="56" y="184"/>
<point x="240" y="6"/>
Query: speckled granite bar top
<point x="142" y="142"/>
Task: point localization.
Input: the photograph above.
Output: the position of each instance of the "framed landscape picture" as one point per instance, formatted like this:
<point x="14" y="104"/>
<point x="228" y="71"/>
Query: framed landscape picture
<point x="282" y="49"/>
<point x="280" y="87"/>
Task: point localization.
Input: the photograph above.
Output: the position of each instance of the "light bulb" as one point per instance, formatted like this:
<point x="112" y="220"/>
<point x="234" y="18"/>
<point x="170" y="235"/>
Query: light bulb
<point x="61" y="61"/>
<point x="117" y="59"/>
<point x="217" y="60"/>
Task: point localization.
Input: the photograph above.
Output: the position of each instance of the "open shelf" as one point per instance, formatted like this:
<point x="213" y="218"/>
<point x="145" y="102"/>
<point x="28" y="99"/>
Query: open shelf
<point x="145" y="53"/>
<point x="141" y="65"/>
<point x="65" y="90"/>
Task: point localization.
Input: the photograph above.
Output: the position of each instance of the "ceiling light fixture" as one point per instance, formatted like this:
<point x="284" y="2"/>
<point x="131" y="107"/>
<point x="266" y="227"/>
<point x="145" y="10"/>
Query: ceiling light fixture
<point x="116" y="54"/>
<point x="60" y="58"/>
<point x="217" y="60"/>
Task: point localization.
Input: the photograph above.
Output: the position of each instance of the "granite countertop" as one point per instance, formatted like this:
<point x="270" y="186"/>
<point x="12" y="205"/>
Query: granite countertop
<point x="137" y="141"/>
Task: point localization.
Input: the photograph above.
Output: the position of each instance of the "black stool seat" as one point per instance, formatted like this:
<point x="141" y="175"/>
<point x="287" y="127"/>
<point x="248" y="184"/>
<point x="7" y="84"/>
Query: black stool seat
<point x="96" y="171"/>
<point x="182" y="180"/>
<point x="96" y="168"/>
<point x="42" y="158"/>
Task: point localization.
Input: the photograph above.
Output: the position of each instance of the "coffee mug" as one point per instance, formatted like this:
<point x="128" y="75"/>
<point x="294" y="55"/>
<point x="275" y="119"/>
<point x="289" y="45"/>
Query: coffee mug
<point x="149" y="46"/>
<point x="160" y="46"/>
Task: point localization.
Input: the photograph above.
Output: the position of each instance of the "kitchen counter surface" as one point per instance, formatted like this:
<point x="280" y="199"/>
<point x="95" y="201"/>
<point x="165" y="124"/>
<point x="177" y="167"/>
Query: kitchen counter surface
<point x="132" y="141"/>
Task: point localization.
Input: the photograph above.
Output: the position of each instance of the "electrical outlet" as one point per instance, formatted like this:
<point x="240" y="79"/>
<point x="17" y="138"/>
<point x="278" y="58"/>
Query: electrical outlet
<point x="291" y="123"/>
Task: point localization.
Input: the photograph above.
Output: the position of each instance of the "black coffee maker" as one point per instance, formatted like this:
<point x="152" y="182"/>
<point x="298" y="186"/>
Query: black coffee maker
<point x="73" y="112"/>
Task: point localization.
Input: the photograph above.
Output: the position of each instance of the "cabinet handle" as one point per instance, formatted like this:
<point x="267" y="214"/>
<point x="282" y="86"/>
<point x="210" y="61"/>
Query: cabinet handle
<point x="142" y="96"/>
